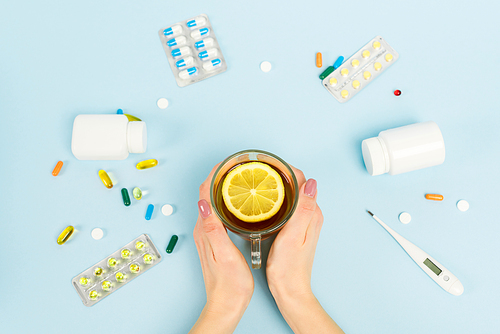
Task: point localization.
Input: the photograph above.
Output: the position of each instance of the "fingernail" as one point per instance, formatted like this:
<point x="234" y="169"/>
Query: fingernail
<point x="310" y="189"/>
<point x="204" y="208"/>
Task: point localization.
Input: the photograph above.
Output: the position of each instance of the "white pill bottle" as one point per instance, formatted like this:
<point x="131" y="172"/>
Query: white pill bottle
<point x="404" y="149"/>
<point x="107" y="137"/>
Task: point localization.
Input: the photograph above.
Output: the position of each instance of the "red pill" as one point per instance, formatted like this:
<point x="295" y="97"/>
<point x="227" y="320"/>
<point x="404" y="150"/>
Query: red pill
<point x="397" y="92"/>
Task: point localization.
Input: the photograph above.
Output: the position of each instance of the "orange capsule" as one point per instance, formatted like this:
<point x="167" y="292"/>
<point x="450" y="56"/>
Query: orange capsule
<point x="57" y="168"/>
<point x="319" y="59"/>
<point x="434" y="197"/>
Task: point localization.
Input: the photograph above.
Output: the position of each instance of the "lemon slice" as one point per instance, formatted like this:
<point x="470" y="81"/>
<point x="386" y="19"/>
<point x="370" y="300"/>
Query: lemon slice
<point x="253" y="192"/>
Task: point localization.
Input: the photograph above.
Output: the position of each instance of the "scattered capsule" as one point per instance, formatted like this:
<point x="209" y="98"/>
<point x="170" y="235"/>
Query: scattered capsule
<point x="355" y="63"/>
<point x="125" y="197"/>
<point x="171" y="244"/>
<point x="132" y="118"/>
<point x="65" y="235"/>
<point x="187" y="73"/>
<point x="338" y="62"/>
<point x="134" y="268"/>
<point x="93" y="295"/>
<point x="120" y="277"/>
<point x="98" y="271"/>
<point x="376" y="45"/>
<point x="149" y="211"/>
<point x="200" y="33"/>
<point x="356" y="84"/>
<point x="119" y="112"/>
<point x="377" y="66"/>
<point x="326" y="72"/>
<point x="145" y="164"/>
<point x="175" y="30"/>
<point x="181" y="52"/>
<point x="367" y="75"/>
<point x="84" y="280"/>
<point x="211" y="65"/>
<point x="112" y="262"/>
<point x="204" y="43"/>
<point x="139" y="245"/>
<point x="344" y="72"/>
<point x="197" y="22"/>
<point x="178" y="41"/>
<point x="344" y="93"/>
<point x="434" y="197"/>
<point x="125" y="253"/>
<point x="204" y="55"/>
<point x="148" y="258"/>
<point x="105" y="179"/>
<point x="319" y="59"/>
<point x="57" y="168"/>
<point x="106" y="285"/>
<point x="397" y="92"/>
<point x="388" y="57"/>
<point x="333" y="81"/>
<point x="188" y="61"/>
<point x="137" y="192"/>
<point x="365" y="54"/>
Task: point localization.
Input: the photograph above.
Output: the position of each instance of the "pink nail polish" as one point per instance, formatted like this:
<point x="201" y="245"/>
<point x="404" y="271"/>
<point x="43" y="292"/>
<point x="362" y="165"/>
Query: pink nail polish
<point x="310" y="189"/>
<point x="204" y="208"/>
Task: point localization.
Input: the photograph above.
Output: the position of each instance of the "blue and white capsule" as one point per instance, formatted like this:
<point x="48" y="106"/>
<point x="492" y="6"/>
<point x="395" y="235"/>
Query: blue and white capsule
<point x="197" y="22"/>
<point x="212" y="64"/>
<point x="178" y="41"/>
<point x="184" y="63"/>
<point x="190" y="72"/>
<point x="181" y="52"/>
<point x="204" y="43"/>
<point x="200" y="33"/>
<point x="174" y="30"/>
<point x="205" y="55"/>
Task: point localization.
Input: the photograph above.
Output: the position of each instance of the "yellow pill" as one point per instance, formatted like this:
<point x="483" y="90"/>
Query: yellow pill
<point x="344" y="93"/>
<point x="148" y="258"/>
<point x="112" y="262"/>
<point x="105" y="179"/>
<point x="376" y="45"/>
<point x="65" y="235"/>
<point x="120" y="277"/>
<point x="98" y="271"/>
<point x="344" y="72"/>
<point x="366" y="54"/>
<point x="84" y="280"/>
<point x="139" y="245"/>
<point x="134" y="268"/>
<point x="106" y="285"/>
<point x="147" y="164"/>
<point x="333" y="81"/>
<point x="367" y="75"/>
<point x="355" y="63"/>
<point x="132" y="118"/>
<point x="377" y="66"/>
<point x="93" y="295"/>
<point x="388" y="57"/>
<point x="356" y="84"/>
<point x="125" y="253"/>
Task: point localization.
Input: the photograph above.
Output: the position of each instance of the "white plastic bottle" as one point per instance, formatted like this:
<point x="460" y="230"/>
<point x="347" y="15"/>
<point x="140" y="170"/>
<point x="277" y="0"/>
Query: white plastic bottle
<point x="404" y="149"/>
<point x="107" y="137"/>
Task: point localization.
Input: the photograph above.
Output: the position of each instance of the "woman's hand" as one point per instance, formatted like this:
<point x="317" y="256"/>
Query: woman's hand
<point x="228" y="280"/>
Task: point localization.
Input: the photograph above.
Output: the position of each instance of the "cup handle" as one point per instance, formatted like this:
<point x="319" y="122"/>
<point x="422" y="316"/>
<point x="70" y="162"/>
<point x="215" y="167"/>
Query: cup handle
<point x="255" y="251"/>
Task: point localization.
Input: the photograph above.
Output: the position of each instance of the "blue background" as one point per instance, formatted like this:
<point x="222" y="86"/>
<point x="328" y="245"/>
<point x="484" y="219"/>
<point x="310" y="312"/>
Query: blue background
<point x="59" y="59"/>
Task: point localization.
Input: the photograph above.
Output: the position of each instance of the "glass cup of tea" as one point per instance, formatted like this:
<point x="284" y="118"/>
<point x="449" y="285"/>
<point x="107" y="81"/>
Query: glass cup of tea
<point x="257" y="231"/>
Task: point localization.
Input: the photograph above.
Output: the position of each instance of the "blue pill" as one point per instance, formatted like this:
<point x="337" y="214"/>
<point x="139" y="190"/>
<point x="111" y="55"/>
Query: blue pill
<point x="119" y="111"/>
<point x="149" y="212"/>
<point x="199" y="21"/>
<point x="175" y="30"/>
<point x="178" y="41"/>
<point x="183" y="51"/>
<point x="338" y="62"/>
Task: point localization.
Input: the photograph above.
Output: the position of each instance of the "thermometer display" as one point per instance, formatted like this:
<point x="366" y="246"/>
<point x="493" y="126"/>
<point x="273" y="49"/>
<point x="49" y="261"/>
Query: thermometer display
<point x="432" y="267"/>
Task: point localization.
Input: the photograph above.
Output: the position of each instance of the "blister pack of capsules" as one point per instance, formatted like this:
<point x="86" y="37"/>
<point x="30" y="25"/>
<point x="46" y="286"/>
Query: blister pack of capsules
<point x="192" y="50"/>
<point x="362" y="68"/>
<point x="116" y="270"/>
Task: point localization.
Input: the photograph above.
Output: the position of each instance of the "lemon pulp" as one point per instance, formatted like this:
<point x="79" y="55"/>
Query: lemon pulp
<point x="253" y="192"/>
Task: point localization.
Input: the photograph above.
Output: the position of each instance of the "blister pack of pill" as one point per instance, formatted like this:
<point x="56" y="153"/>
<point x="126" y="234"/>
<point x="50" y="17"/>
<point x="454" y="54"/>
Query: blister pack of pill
<point x="192" y="50"/>
<point x="362" y="68"/>
<point x="116" y="270"/>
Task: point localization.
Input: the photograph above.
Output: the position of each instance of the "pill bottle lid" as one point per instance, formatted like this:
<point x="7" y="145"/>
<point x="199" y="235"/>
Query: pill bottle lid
<point x="375" y="156"/>
<point x="137" y="137"/>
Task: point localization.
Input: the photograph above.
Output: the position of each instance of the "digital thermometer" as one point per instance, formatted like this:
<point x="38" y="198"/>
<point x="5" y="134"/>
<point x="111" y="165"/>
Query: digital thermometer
<point x="434" y="269"/>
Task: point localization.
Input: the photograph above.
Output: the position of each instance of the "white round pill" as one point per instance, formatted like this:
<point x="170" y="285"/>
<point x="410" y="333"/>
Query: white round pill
<point x="463" y="205"/>
<point x="404" y="217"/>
<point x="167" y="209"/>
<point x="162" y="103"/>
<point x="265" y="66"/>
<point x="97" y="233"/>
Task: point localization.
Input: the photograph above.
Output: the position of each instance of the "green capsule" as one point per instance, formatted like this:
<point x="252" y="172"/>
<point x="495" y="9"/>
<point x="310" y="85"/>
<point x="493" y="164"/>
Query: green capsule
<point x="125" y="196"/>
<point x="172" y="243"/>
<point x="137" y="192"/>
<point x="326" y="72"/>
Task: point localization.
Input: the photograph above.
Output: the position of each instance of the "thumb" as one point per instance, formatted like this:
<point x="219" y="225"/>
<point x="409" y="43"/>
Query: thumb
<point x="213" y="229"/>
<point x="305" y="210"/>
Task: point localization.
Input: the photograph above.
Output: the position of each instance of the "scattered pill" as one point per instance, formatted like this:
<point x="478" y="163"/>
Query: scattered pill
<point x="200" y="33"/>
<point x="344" y="93"/>
<point x="149" y="211"/>
<point x="404" y="217"/>
<point x="344" y="72"/>
<point x="119" y="112"/>
<point x="265" y="66"/>
<point x="162" y="103"/>
<point x="211" y="65"/>
<point x="167" y="209"/>
<point x="333" y="81"/>
<point x="434" y="197"/>
<point x="178" y="41"/>
<point x="139" y="245"/>
<point x="132" y="118"/>
<point x="171" y="244"/>
<point x="355" y="63"/>
<point x="210" y="53"/>
<point x="388" y="57"/>
<point x="93" y="295"/>
<point x="134" y="268"/>
<point x="326" y="72"/>
<point x="377" y="66"/>
<point x="145" y="164"/>
<point x="187" y="73"/>
<point x="367" y="75"/>
<point x="137" y="192"/>
<point x="197" y="22"/>
<point x="204" y="43"/>
<point x="148" y="258"/>
<point x="356" y="84"/>
<point x="65" y="235"/>
<point x="397" y="92"/>
<point x="376" y="45"/>
<point x="365" y="54"/>
<point x="97" y="233"/>
<point x="319" y="59"/>
<point x="175" y="30"/>
<point x="98" y="271"/>
<point x="57" y="168"/>
<point x="338" y="62"/>
<point x="463" y="205"/>
<point x="125" y="197"/>
<point x="181" y="52"/>
<point x="184" y="63"/>
<point x="84" y="281"/>
<point x="106" y="285"/>
<point x="112" y="262"/>
<point x="125" y="253"/>
<point x="120" y="277"/>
